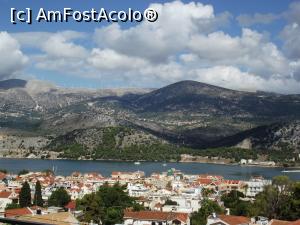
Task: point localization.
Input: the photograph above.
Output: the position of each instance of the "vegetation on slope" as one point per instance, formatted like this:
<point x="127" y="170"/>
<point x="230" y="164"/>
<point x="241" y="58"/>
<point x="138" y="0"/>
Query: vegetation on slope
<point x="120" y="143"/>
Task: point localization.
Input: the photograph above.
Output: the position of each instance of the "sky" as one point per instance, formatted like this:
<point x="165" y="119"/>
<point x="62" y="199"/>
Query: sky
<point x="254" y="45"/>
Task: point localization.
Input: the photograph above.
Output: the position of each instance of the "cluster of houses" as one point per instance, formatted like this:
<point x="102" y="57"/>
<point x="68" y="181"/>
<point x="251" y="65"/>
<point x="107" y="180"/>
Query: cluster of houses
<point x="170" y="197"/>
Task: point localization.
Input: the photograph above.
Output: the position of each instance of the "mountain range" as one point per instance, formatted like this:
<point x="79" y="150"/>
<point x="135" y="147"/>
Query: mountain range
<point x="36" y="115"/>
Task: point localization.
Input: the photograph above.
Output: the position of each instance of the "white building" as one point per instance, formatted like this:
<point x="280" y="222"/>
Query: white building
<point x="7" y="197"/>
<point x="227" y="220"/>
<point x="255" y="186"/>
<point x="184" y="204"/>
<point x="137" y="190"/>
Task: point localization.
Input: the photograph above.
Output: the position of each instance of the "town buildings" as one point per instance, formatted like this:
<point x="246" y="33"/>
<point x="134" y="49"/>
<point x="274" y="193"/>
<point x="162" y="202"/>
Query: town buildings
<point x="169" y="197"/>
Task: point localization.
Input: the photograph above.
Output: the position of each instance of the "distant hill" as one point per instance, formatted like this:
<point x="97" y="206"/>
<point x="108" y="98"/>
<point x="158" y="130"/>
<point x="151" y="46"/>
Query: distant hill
<point x="12" y="83"/>
<point x="278" y="136"/>
<point x="196" y="97"/>
<point x="186" y="113"/>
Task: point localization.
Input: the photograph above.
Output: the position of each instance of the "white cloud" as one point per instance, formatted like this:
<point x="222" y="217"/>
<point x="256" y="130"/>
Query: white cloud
<point x="38" y="39"/>
<point x="249" y="51"/>
<point x="108" y="59"/>
<point x="293" y="13"/>
<point x="291" y="38"/>
<point x="56" y="51"/>
<point x="247" y="20"/>
<point x="59" y="46"/>
<point x="186" y="42"/>
<point x="168" y="35"/>
<point x="12" y="60"/>
<point x="232" y="78"/>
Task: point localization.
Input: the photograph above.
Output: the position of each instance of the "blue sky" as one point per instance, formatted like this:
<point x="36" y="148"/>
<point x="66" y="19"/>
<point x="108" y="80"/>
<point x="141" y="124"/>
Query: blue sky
<point x="249" y="46"/>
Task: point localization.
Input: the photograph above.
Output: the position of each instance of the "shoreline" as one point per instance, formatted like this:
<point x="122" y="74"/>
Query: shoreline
<point x="181" y="161"/>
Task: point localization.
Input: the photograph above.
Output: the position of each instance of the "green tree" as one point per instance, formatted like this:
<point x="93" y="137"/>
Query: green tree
<point x="275" y="201"/>
<point x="12" y="206"/>
<point x="92" y="207"/>
<point x="38" y="200"/>
<point x="235" y="204"/>
<point x="295" y="203"/>
<point x="113" y="216"/>
<point x="25" y="195"/>
<point x="106" y="206"/>
<point x="59" y="198"/>
<point x="206" y="192"/>
<point x="207" y="208"/>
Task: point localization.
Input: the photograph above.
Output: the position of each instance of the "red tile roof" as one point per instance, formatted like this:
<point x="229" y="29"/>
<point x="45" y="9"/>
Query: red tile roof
<point x="234" y="220"/>
<point x="297" y="222"/>
<point x="17" y="212"/>
<point x="71" y="205"/>
<point x="156" y="215"/>
<point x="205" y="181"/>
<point x="279" y="222"/>
<point x="5" y="194"/>
<point x="232" y="181"/>
<point x="284" y="222"/>
<point x="2" y="175"/>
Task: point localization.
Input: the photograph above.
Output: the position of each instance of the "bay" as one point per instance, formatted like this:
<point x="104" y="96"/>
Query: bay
<point x="66" y="167"/>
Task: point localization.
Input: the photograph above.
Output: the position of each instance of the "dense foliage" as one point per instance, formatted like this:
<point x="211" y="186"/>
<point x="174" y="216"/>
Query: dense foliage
<point x="228" y="153"/>
<point x="106" y="206"/>
<point x="59" y="198"/>
<point x="25" y="195"/>
<point x="73" y="151"/>
<point x="38" y="199"/>
<point x="207" y="208"/>
<point x="114" y="145"/>
<point x="237" y="207"/>
<point x="12" y="206"/>
<point x="281" y="200"/>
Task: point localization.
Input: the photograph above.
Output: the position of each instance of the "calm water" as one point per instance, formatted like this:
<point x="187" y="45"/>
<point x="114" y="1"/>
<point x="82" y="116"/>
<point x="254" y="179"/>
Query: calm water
<point x="66" y="167"/>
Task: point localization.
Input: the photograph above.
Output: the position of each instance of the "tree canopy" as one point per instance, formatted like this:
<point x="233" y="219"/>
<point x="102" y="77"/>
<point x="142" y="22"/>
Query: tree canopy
<point x="38" y="200"/>
<point x="280" y="200"/>
<point x="59" y="198"/>
<point x="237" y="206"/>
<point x="106" y="206"/>
<point x="25" y="195"/>
<point x="207" y="208"/>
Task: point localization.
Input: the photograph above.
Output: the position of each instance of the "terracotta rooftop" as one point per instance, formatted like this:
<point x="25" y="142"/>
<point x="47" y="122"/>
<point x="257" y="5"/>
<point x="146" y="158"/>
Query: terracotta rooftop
<point x="234" y="220"/>
<point x="2" y="175"/>
<point x="17" y="212"/>
<point x="279" y="222"/>
<point x="156" y="215"/>
<point x="5" y="194"/>
<point x="71" y="205"/>
<point x="232" y="181"/>
<point x="297" y="222"/>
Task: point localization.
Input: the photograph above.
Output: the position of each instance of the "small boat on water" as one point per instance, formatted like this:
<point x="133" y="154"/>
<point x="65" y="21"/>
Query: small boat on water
<point x="137" y="163"/>
<point x="165" y="164"/>
<point x="290" y="171"/>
